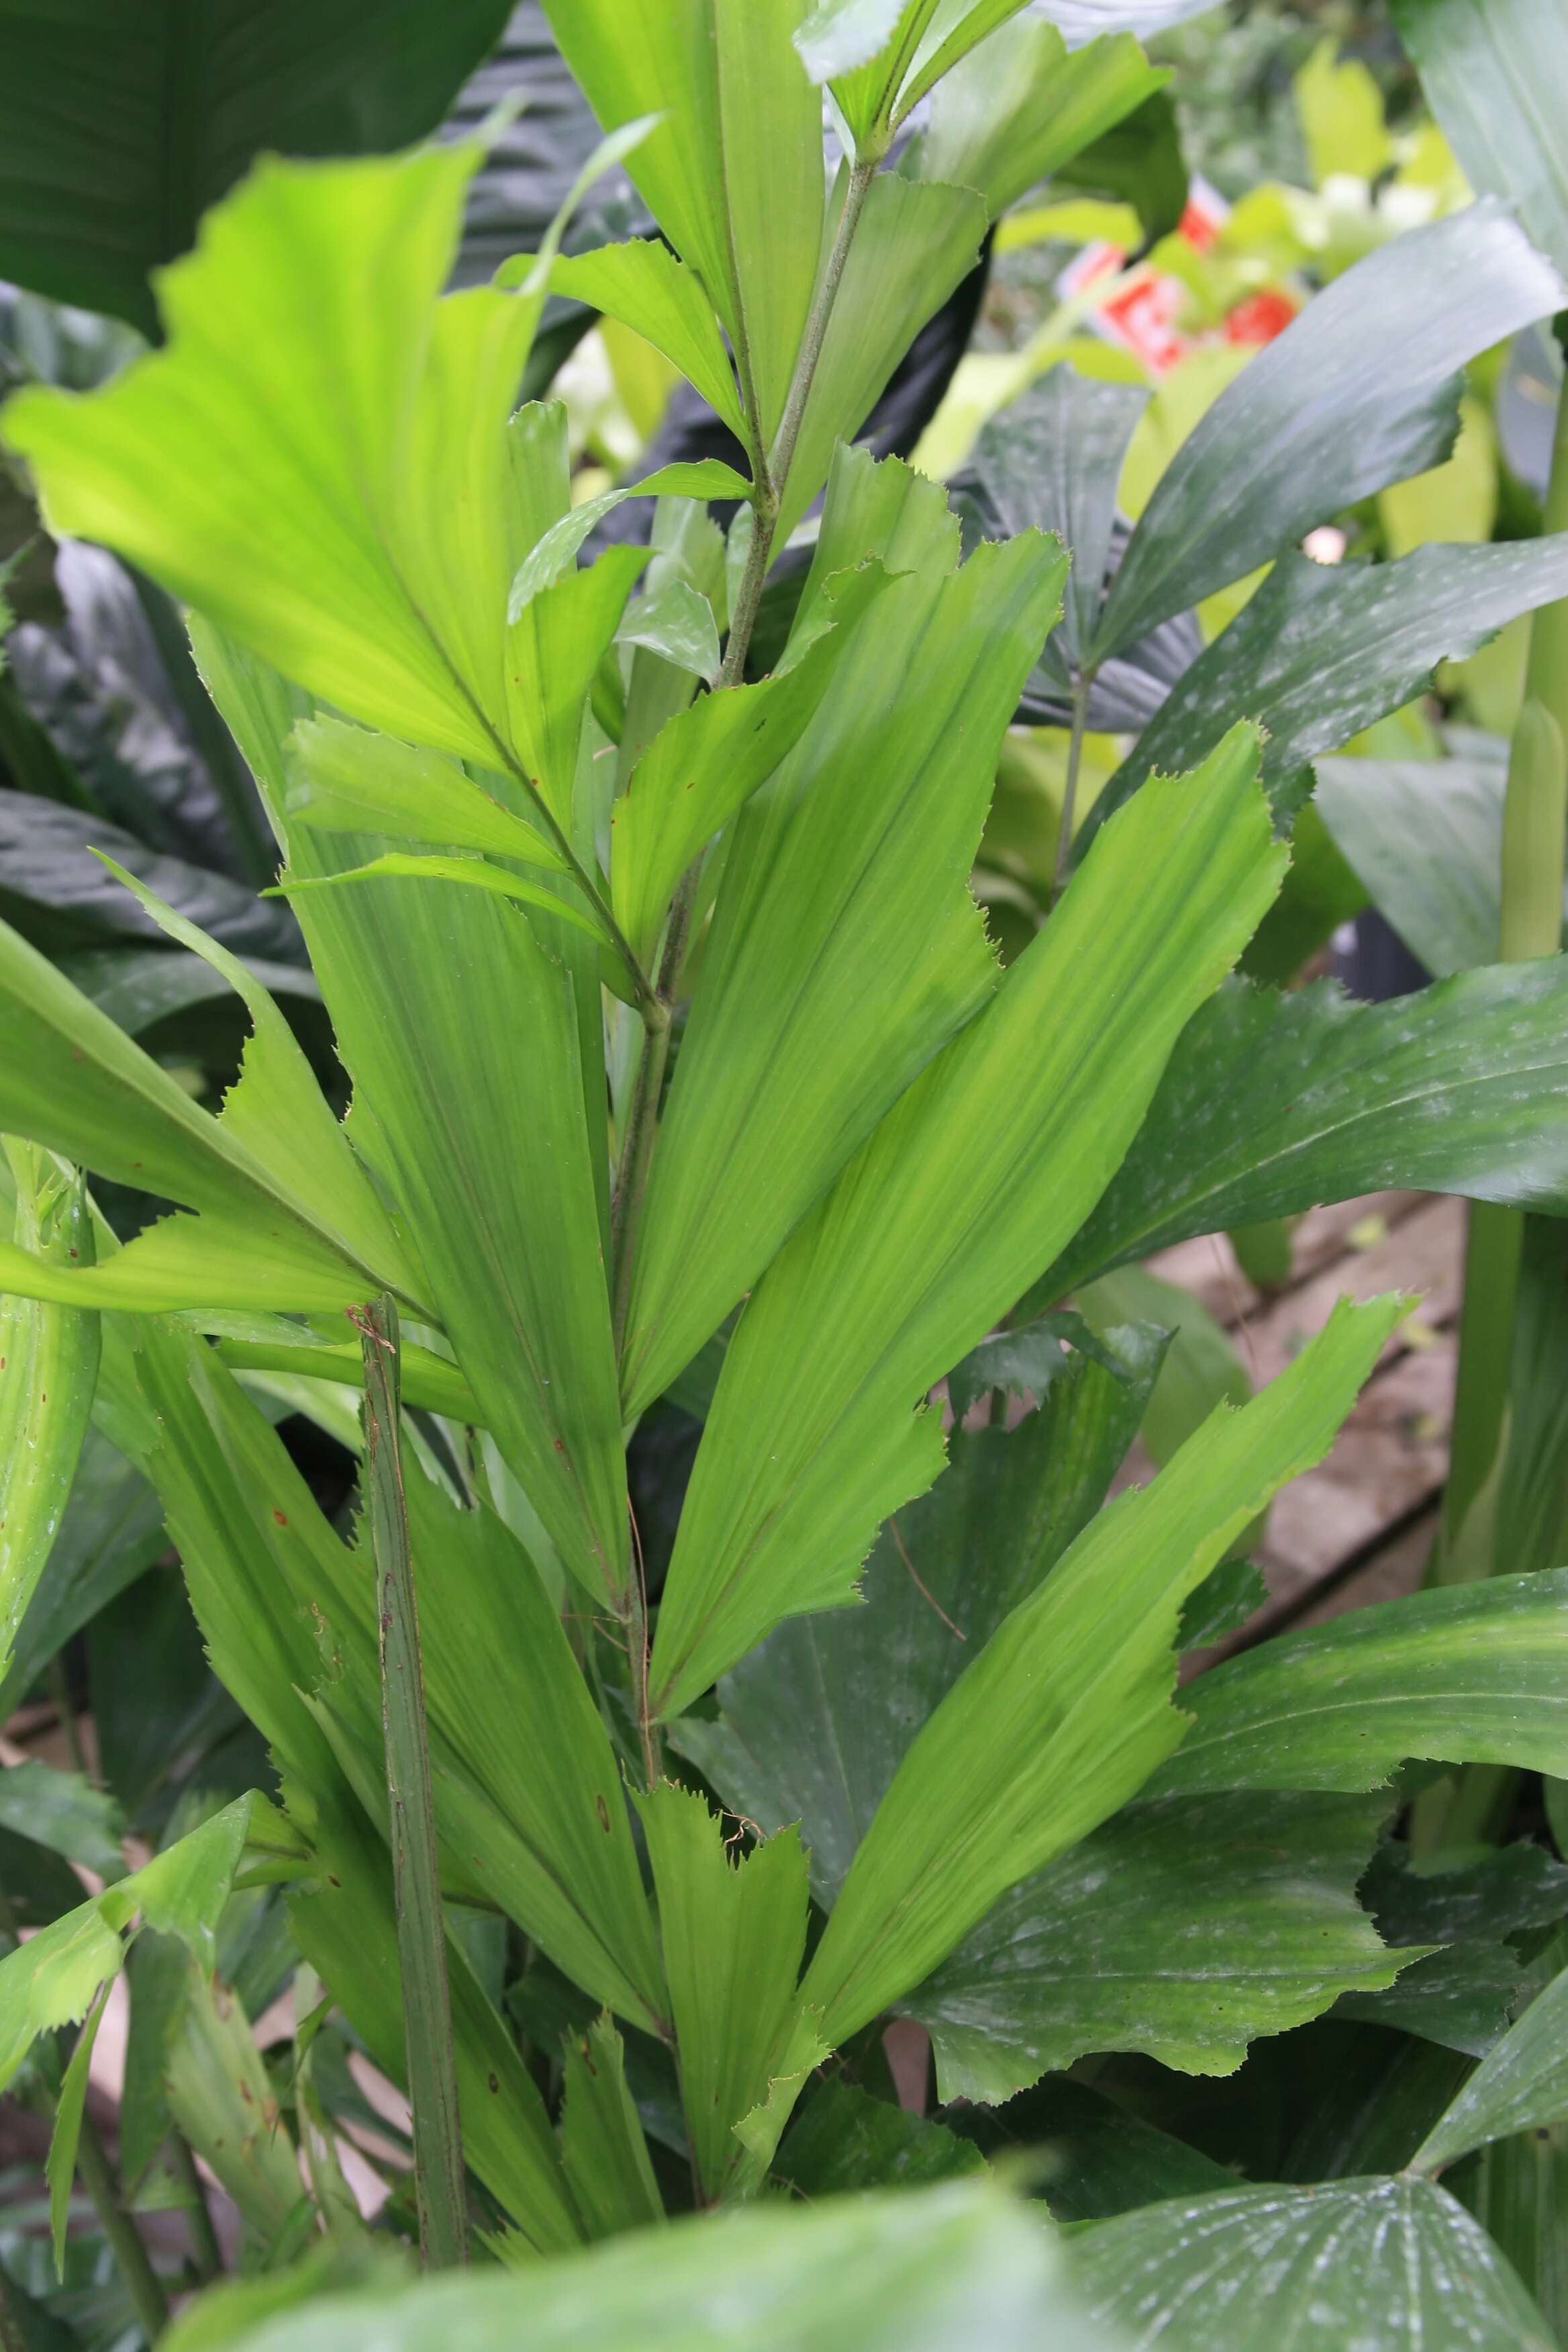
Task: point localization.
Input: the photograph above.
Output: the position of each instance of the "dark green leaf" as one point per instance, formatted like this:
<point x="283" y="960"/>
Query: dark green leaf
<point x="846" y="2139"/>
<point x="1321" y="650"/>
<point x="64" y="1812"/>
<point x="1424" y="837"/>
<point x="1358" y="392"/>
<point x="1495" y="78"/>
<point x="1522" y="2083"/>
<point x="1184" y="1928"/>
<point x="1462" y="1997"/>
<point x="1272" y="1103"/>
<point x="1222" y="1605"/>
<point x="1140" y="160"/>
<point x="53" y="888"/>
<point x="1317" y="2267"/>
<point x="1469" y="1672"/>
<point x="1019" y="110"/>
<point x="1518" y="1887"/>
<point x="1101" y="2158"/>
<point x="601" y="2145"/>
<point x="119" y="127"/>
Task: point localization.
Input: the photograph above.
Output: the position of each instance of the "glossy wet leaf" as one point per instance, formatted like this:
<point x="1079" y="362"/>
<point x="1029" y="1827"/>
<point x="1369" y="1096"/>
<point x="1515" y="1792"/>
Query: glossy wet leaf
<point x="1273" y="1103"/>
<point x="814" y="1723"/>
<point x="1470" y="1672"/>
<point x="1358" y="392"/>
<point x="1066" y="1711"/>
<point x="846" y="948"/>
<point x="1228" y="2271"/>
<point x="1322" y="650"/>
<point x="1494" y="79"/>
<point x="1184" y="1927"/>
<point x="1424" y="837"/>
<point x="1052" y="461"/>
<point x="49" y="1370"/>
<point x="814" y="1438"/>
<point x="1521" y="2083"/>
<point x="119" y="130"/>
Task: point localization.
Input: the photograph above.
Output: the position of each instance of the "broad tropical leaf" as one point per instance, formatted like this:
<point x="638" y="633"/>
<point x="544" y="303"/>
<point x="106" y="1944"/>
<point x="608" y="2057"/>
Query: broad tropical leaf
<point x="1184" y="1927"/>
<point x="1358" y="392"/>
<point x="934" y="1228"/>
<point x="1472" y="1673"/>
<point x="1318" y="2267"/>
<point x="1495" y="78"/>
<point x="1272" y="1103"/>
<point x="1066" y="1711"/>
<point x="644" y="285"/>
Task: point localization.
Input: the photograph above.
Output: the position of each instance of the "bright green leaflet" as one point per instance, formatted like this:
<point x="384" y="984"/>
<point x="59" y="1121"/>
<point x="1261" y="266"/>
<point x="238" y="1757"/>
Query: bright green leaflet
<point x="469" y="873"/>
<point x="1066" y="1711"/>
<point x="942" y="1219"/>
<point x="733" y="1933"/>
<point x="914" y="244"/>
<point x="1424" y="837"/>
<point x="882" y="56"/>
<point x="732" y="172"/>
<point x="708" y="761"/>
<point x="242" y="1519"/>
<point x="1313" y="2266"/>
<point x="73" y="1081"/>
<point x="309" y="463"/>
<point x="815" y="1722"/>
<point x="845" y="949"/>
<point x="53" y="1979"/>
<point x="1059" y="105"/>
<point x="958" y="2262"/>
<point x="648" y="289"/>
<point x="603" y="2149"/>
<point x="48" y="1369"/>
<point x="118" y="127"/>
<point x="1469" y="1672"/>
<point x="1201" y="1365"/>
<point x="484" y="1136"/>
<point x="59" y="2166"/>
<point x="1273" y="1103"/>
<point x="1186" y="1928"/>
<point x="848" y="2140"/>
<point x="552" y="1842"/>
<point x="221" y="2100"/>
<point x="1358" y="392"/>
<point x="1495" y="78"/>
<point x="346" y="780"/>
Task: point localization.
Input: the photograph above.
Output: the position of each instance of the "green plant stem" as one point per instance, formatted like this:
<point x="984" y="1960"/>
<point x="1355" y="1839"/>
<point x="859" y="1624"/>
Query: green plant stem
<point x="1534" y="815"/>
<point x="1081" y="693"/>
<point x="206" y="2253"/>
<point x="60" y="1691"/>
<point x="143" y="2284"/>
<point x="439" y="2179"/>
